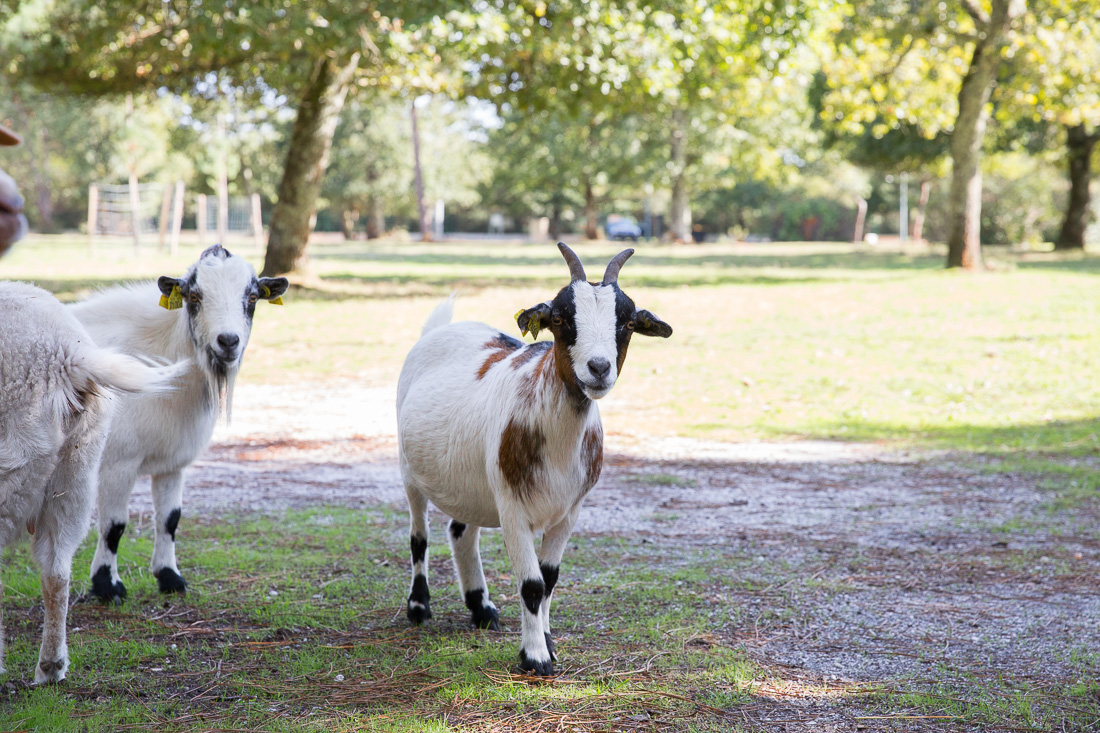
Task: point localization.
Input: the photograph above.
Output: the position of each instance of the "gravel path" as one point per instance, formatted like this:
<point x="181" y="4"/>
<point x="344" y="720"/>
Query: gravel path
<point x="865" y="565"/>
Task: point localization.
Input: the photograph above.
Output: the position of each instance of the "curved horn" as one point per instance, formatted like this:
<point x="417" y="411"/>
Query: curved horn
<point x="611" y="275"/>
<point x="576" y="269"/>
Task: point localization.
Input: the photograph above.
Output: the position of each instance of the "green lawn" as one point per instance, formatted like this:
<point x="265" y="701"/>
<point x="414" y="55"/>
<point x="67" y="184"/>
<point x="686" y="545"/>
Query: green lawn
<point x="299" y="625"/>
<point x="771" y="341"/>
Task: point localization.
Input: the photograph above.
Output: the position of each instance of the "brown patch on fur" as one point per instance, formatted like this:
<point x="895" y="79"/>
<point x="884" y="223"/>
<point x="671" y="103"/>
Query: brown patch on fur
<point x="592" y="456"/>
<point x="520" y="456"/>
<point x="529" y="353"/>
<point x="501" y="350"/>
<point x="622" y="355"/>
<point x="564" y="366"/>
<point x="530" y="387"/>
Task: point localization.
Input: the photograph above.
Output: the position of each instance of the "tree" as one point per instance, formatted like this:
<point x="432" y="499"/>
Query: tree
<point x="314" y="53"/>
<point x="370" y="172"/>
<point x="931" y="66"/>
<point x="1055" y="82"/>
<point x="71" y="142"/>
<point x="371" y="169"/>
<point x="698" y="69"/>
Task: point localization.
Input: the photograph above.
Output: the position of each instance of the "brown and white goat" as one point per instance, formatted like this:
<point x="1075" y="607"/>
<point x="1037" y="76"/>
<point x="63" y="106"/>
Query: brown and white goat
<point x="499" y="434"/>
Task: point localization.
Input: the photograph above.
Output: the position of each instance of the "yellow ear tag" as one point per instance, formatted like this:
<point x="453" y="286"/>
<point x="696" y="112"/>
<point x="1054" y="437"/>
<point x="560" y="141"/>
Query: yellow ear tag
<point x="516" y="316"/>
<point x="269" y="299"/>
<point x="173" y="301"/>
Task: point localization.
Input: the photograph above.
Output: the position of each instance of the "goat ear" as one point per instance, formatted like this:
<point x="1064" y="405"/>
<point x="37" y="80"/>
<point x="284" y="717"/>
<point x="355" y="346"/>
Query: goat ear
<point x="533" y="319"/>
<point x="648" y="324"/>
<point x="171" y="296"/>
<point x="272" y="288"/>
<point x="167" y="284"/>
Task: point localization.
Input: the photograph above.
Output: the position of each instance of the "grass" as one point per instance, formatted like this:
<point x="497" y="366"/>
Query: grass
<point x="297" y="624"/>
<point x="771" y="341"/>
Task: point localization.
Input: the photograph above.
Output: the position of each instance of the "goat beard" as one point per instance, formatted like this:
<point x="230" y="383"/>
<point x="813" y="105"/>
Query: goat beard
<point x="220" y="381"/>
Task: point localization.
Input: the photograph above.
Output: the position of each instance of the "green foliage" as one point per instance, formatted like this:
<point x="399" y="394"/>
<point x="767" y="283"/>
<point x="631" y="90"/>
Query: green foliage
<point x="372" y="158"/>
<point x="84" y="46"/>
<point x="590" y="97"/>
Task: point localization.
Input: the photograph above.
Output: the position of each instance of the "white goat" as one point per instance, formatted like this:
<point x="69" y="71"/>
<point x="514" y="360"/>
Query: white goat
<point x="498" y="434"/>
<point x="207" y="317"/>
<point x="54" y="416"/>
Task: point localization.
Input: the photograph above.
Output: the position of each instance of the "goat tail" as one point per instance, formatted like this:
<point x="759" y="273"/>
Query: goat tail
<point x="441" y="316"/>
<point x="110" y="369"/>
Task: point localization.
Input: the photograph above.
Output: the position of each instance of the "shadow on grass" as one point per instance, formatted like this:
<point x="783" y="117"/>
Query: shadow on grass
<point x="1085" y="264"/>
<point x="528" y="256"/>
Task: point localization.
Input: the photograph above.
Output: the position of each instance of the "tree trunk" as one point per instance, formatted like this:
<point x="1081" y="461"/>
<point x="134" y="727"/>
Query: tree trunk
<point x="422" y="208"/>
<point x="861" y="218"/>
<point x="350" y="219"/>
<point x="1080" y="145"/>
<point x="591" y="214"/>
<point x="679" y="226"/>
<point x="306" y="160"/>
<point x="555" y="219"/>
<point x="918" y="216"/>
<point x="376" y="218"/>
<point x="965" y="199"/>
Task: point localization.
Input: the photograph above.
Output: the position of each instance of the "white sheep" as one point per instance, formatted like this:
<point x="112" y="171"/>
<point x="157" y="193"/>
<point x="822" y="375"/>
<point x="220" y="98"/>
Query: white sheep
<point x="207" y="317"/>
<point x="55" y="409"/>
<point x="499" y="434"/>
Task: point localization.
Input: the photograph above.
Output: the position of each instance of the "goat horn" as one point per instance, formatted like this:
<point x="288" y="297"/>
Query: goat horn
<point x="576" y="269"/>
<point x="611" y="275"/>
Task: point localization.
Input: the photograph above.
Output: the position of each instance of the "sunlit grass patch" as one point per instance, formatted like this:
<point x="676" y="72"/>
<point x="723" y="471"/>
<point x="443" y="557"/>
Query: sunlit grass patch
<point x="298" y="619"/>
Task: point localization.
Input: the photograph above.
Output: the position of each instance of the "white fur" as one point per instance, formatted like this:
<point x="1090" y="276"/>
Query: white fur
<point x="595" y="319"/>
<point x="55" y="410"/>
<point x="160" y="435"/>
<point x="450" y="426"/>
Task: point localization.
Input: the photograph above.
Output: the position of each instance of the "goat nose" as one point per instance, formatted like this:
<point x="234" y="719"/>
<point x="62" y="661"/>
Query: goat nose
<point x="228" y="341"/>
<point x="600" y="368"/>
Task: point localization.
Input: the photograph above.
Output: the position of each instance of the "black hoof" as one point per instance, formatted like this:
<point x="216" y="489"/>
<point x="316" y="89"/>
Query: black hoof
<point x="418" y="612"/>
<point x="105" y="589"/>
<point x="169" y="581"/>
<point x="550" y="647"/>
<point x="485" y="617"/>
<point x="530" y="666"/>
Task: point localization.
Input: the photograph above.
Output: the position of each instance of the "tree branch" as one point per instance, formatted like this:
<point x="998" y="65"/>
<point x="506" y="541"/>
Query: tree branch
<point x="976" y="12"/>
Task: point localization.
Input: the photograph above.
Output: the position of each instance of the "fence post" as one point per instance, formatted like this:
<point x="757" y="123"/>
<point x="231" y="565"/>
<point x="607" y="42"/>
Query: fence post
<point x="93" y="215"/>
<point x="257" y="222"/>
<point x="177" y="219"/>
<point x="135" y="211"/>
<point x="200" y="220"/>
<point x="861" y="216"/>
<point x="165" y="209"/>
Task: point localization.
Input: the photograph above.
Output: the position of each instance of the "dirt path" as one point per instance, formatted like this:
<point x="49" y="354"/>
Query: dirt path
<point x="859" y="564"/>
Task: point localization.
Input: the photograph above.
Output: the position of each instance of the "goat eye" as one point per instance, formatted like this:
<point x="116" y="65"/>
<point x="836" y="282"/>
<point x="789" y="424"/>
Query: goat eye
<point x="556" y="320"/>
<point x="253" y="298"/>
<point x="194" y="298"/>
<point x="630" y="325"/>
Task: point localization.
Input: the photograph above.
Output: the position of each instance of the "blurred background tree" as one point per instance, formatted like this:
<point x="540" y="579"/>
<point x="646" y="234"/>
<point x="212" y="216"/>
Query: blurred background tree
<point x="746" y="118"/>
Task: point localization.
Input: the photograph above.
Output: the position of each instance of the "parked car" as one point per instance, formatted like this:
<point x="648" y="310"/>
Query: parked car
<point x="622" y="227"/>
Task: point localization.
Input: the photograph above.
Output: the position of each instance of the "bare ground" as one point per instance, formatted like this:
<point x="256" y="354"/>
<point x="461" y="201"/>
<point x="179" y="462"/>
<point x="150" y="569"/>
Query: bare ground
<point x="860" y="565"/>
